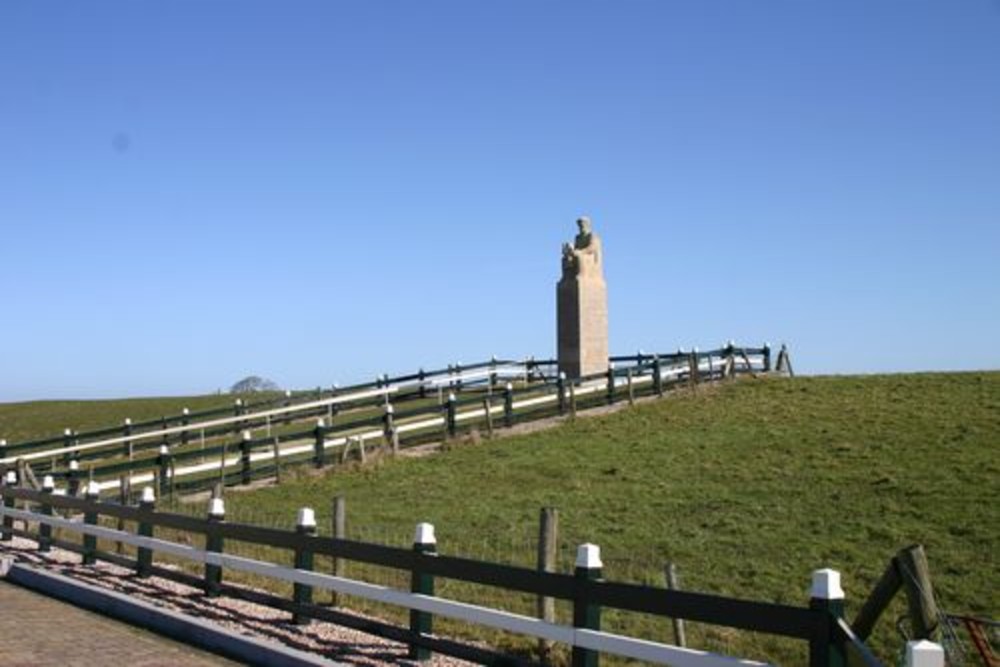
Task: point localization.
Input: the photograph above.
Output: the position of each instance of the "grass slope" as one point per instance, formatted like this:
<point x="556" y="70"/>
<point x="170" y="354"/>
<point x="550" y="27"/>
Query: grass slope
<point x="747" y="487"/>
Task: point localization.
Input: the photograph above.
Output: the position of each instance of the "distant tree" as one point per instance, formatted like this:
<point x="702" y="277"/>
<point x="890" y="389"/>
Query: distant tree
<point x="253" y="384"/>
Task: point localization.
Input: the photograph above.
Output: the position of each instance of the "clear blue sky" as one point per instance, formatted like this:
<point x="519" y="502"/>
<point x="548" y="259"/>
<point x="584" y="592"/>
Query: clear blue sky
<point x="191" y="192"/>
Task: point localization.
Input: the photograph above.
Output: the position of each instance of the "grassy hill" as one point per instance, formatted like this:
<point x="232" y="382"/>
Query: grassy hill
<point x="747" y="487"/>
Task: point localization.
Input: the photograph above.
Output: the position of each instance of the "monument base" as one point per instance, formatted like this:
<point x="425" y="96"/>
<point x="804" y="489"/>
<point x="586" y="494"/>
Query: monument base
<point x="582" y="310"/>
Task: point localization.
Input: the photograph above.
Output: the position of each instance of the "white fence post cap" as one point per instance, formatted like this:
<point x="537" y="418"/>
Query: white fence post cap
<point x="164" y="449"/>
<point x="128" y="421"/>
<point x="11" y="477"/>
<point x="247" y="435"/>
<point x="509" y="386"/>
<point x="424" y="534"/>
<point x="588" y="556"/>
<point x="826" y="585"/>
<point x="93" y="488"/>
<point x="148" y="495"/>
<point x="306" y="518"/>
<point x="47" y="483"/>
<point x="389" y="409"/>
<point x="185" y="411"/>
<point x="451" y="397"/>
<point x="74" y="465"/>
<point x="3" y="442"/>
<point x="320" y="423"/>
<point x="68" y="431"/>
<point x="217" y="507"/>
<point x="288" y="393"/>
<point x="924" y="654"/>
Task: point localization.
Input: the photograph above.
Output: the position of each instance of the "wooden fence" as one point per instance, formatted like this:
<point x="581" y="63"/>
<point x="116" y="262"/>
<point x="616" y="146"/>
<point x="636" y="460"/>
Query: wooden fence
<point x="187" y="451"/>
<point x="820" y="623"/>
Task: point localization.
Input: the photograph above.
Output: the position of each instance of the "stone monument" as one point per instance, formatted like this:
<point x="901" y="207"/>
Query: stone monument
<point x="582" y="306"/>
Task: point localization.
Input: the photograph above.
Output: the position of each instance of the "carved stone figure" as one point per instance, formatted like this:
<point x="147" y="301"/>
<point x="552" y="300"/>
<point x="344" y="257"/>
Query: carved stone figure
<point x="582" y="307"/>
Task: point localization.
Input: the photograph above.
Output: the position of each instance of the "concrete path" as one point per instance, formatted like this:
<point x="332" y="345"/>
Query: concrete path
<point x="36" y="630"/>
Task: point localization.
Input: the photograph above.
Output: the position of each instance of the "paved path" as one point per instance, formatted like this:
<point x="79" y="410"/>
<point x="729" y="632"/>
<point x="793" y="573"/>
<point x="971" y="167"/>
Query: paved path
<point x="36" y="630"/>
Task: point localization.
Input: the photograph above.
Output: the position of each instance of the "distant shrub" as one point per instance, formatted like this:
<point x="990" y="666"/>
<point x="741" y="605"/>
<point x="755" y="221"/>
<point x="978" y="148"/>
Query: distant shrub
<point x="253" y="384"/>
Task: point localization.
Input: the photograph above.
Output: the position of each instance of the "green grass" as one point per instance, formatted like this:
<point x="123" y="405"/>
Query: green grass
<point x="747" y="487"/>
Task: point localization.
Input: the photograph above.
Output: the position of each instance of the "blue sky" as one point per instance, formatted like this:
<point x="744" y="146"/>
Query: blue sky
<point x="191" y="192"/>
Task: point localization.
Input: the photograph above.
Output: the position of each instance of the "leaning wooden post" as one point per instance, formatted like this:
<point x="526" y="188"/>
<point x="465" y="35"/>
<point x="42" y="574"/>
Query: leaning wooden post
<point x="585" y="614"/>
<point x="339" y="533"/>
<point x="305" y="525"/>
<point x="319" y="444"/>
<point x="561" y="388"/>
<point x="10" y="480"/>
<point x="45" y="529"/>
<point x="923" y="653"/>
<point x="548" y="536"/>
<point x="245" y="471"/>
<point x="214" y="544"/>
<point x="389" y="428"/>
<point x="144" y="558"/>
<point x="421" y="622"/>
<point x="508" y="405"/>
<point x="674" y="584"/>
<point x="93" y="496"/>
<point x="916" y="579"/>
<point x="827" y="597"/>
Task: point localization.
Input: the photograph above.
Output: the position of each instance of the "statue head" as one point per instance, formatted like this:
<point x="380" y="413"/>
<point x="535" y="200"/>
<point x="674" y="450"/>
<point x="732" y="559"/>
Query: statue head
<point x="583" y="223"/>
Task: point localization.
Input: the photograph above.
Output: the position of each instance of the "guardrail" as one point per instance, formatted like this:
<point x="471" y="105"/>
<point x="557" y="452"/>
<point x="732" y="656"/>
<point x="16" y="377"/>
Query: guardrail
<point x="180" y="457"/>
<point x="820" y="624"/>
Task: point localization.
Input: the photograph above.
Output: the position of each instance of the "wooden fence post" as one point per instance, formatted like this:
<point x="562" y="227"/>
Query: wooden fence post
<point x="93" y="496"/>
<point x="561" y="388"/>
<point x="245" y="472"/>
<point x="44" y="529"/>
<point x="585" y="614"/>
<point x="163" y="462"/>
<point x="305" y="524"/>
<point x="389" y="429"/>
<point x="924" y="653"/>
<point x="214" y="543"/>
<point x="827" y="597"/>
<point x="657" y="375"/>
<point x="237" y="411"/>
<point x="674" y="584"/>
<point x="450" y="413"/>
<point x="767" y="357"/>
<point x="286" y="418"/>
<point x="319" y="444"/>
<point x="339" y="533"/>
<point x="277" y="460"/>
<point x="421" y="622"/>
<point x="611" y="384"/>
<point x="508" y="405"/>
<point x="10" y="479"/>
<point x="422" y="377"/>
<point x="631" y="388"/>
<point x="572" y="399"/>
<point x="185" y="436"/>
<point x="73" y="478"/>
<point x="488" y="414"/>
<point x="126" y="432"/>
<point x="548" y="541"/>
<point x="916" y="579"/>
<point x="144" y="557"/>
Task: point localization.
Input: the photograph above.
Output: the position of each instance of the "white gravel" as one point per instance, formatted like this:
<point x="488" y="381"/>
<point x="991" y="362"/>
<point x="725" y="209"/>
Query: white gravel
<point x="329" y="640"/>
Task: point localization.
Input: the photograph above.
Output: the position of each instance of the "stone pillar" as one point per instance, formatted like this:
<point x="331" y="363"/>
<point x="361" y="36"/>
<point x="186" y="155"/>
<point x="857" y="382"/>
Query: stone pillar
<point x="582" y="306"/>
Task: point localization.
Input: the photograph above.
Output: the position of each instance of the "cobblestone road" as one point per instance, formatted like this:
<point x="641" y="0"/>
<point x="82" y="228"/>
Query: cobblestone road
<point x="36" y="630"/>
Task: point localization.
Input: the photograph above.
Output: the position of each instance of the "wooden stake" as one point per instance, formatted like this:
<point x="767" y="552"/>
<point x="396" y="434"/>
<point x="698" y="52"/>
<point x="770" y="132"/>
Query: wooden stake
<point x="548" y="536"/>
<point x="340" y="533"/>
<point x="670" y="571"/>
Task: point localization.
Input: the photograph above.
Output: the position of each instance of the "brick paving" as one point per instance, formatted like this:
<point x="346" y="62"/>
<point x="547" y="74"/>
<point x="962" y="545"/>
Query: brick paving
<point x="36" y="630"/>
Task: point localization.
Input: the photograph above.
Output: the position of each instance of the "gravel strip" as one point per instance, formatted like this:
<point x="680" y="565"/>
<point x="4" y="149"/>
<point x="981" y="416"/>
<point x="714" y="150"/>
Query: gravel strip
<point x="329" y="640"/>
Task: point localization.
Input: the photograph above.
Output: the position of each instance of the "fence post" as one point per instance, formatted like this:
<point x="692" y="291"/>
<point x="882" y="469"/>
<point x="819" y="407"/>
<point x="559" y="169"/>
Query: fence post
<point x="10" y="479"/>
<point x="488" y="415"/>
<point x="493" y="375"/>
<point x="916" y="580"/>
<point x="144" y="557"/>
<point x="421" y="622"/>
<point x="93" y="496"/>
<point x="126" y="432"/>
<point x="319" y="444"/>
<point x="305" y="525"/>
<point x="163" y="461"/>
<point x="185" y="413"/>
<point x="286" y="418"/>
<point x="585" y="614"/>
<point x="67" y="444"/>
<point x="214" y="543"/>
<point x="674" y="585"/>
<point x="339" y="533"/>
<point x="572" y="399"/>
<point x="694" y="364"/>
<point x="923" y="653"/>
<point x="421" y="377"/>
<point x="44" y="529"/>
<point x="611" y="384"/>
<point x="548" y="541"/>
<point x="450" y="410"/>
<point x="73" y="478"/>
<point x="827" y="597"/>
<point x="245" y="476"/>
<point x="508" y="405"/>
<point x="389" y="428"/>
<point x="767" y="357"/>
<point x="561" y="388"/>
<point x="237" y="411"/>
<point x="657" y="375"/>
<point x="631" y="388"/>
